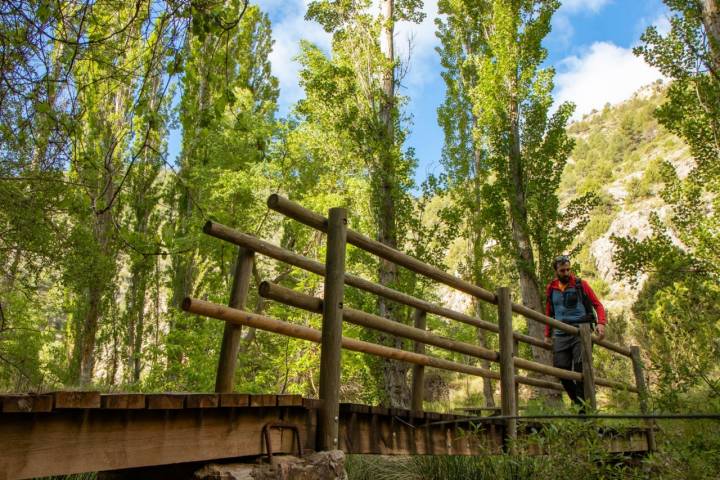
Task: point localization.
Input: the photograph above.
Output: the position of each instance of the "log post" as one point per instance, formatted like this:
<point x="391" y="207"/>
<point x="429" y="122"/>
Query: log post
<point x="516" y="354"/>
<point x="508" y="401"/>
<point x="587" y="365"/>
<point x="331" y="341"/>
<point x="643" y="394"/>
<point x="418" y="378"/>
<point x="224" y="380"/>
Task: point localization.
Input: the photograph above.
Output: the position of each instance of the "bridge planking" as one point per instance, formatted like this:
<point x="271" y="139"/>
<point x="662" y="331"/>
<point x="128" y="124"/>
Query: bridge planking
<point x="89" y="431"/>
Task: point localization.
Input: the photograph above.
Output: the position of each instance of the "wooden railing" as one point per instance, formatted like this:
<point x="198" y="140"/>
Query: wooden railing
<point x="334" y="313"/>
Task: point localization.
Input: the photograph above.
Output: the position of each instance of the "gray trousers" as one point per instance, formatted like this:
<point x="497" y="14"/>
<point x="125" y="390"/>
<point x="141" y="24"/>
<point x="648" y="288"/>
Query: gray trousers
<point x="567" y="354"/>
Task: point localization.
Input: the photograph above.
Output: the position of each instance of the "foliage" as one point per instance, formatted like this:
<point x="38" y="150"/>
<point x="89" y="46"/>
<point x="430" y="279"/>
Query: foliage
<point x="677" y="306"/>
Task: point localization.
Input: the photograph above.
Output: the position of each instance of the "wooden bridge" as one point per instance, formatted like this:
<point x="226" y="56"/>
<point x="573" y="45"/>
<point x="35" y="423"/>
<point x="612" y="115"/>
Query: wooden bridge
<point x="72" y="432"/>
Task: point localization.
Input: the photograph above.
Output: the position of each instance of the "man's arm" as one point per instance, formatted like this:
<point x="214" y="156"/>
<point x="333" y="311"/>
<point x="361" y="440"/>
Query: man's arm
<point x="602" y="318"/>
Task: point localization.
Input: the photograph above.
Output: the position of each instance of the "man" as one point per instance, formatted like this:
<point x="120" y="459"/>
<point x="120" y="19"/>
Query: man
<point x="571" y="301"/>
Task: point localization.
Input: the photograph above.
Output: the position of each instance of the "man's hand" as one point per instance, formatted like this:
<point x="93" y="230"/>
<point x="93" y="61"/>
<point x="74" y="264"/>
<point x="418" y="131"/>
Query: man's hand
<point x="601" y="331"/>
<point x="548" y="340"/>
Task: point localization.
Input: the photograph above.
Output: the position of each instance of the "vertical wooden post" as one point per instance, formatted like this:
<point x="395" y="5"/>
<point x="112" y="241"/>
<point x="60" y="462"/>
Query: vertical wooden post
<point x="332" y="330"/>
<point x="643" y="394"/>
<point x="418" y="377"/>
<point x="231" y="335"/>
<point x="587" y="365"/>
<point x="516" y="353"/>
<point x="508" y="401"/>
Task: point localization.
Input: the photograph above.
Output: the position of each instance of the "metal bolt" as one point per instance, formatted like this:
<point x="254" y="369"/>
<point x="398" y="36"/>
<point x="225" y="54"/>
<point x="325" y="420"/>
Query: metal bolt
<point x="336" y="418"/>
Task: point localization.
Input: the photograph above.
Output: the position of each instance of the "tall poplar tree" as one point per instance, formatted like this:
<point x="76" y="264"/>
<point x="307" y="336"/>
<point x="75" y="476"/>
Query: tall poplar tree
<point x="364" y="46"/>
<point x="227" y="115"/>
<point x="502" y="138"/>
<point x="677" y="308"/>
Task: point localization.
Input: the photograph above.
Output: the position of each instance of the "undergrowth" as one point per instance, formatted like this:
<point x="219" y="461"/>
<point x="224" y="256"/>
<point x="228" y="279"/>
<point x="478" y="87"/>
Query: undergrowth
<point x="570" y="451"/>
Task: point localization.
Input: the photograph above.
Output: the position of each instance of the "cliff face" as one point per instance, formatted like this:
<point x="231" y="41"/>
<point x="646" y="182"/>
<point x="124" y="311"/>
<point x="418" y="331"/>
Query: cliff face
<point x="618" y="155"/>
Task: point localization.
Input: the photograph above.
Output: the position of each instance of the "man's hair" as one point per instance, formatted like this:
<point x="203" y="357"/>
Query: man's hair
<point x="559" y="260"/>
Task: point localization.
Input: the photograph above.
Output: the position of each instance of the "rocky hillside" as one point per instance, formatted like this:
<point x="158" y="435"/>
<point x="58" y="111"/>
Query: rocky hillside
<point x="618" y="155"/>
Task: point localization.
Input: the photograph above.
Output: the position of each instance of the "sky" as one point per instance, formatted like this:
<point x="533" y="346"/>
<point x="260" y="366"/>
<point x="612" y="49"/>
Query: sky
<point x="590" y="47"/>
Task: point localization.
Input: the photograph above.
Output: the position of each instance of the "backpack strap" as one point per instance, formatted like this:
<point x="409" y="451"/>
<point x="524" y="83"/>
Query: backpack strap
<point x="548" y="299"/>
<point x="589" y="310"/>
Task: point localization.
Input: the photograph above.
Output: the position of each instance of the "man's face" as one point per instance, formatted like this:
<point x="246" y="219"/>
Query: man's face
<point x="563" y="272"/>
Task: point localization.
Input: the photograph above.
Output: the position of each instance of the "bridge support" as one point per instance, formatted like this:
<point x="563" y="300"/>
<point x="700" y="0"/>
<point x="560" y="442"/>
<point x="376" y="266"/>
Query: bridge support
<point x="224" y="380"/>
<point x="331" y="341"/>
<point x="418" y="376"/>
<point x="508" y="400"/>
<point x="643" y="394"/>
<point x="587" y="366"/>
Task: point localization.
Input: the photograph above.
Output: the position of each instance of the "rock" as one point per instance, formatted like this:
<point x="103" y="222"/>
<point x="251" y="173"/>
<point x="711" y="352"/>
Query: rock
<point x="317" y="466"/>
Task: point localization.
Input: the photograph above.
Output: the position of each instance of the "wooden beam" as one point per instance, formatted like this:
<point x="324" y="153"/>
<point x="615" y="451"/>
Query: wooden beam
<point x="643" y="394"/>
<point x="368" y="320"/>
<point x="165" y="401"/>
<point x="418" y="372"/>
<point x="26" y="403"/>
<point x="122" y="401"/>
<point x="225" y="378"/>
<point x="332" y="322"/>
<point x="234" y="399"/>
<point x="508" y="402"/>
<point x="313" y="304"/>
<point x="221" y="312"/>
<point x="318" y="222"/>
<point x="588" y="375"/>
<point x="70" y="441"/>
<point x="76" y="399"/>
<point x="202" y="400"/>
<point x="251" y="242"/>
<point x="262" y="322"/>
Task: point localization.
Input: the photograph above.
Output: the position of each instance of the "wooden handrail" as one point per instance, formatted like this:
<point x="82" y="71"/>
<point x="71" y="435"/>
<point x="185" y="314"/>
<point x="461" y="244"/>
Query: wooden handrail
<point x="262" y="322"/>
<point x="314" y="220"/>
<point x="309" y="303"/>
<point x="253" y="243"/>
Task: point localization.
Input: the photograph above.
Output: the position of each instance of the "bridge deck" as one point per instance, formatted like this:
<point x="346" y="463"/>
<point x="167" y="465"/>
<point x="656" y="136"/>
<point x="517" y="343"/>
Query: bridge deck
<point x="73" y="432"/>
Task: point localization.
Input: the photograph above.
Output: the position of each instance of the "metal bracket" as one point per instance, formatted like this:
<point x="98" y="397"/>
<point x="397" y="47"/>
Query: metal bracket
<point x="280" y="426"/>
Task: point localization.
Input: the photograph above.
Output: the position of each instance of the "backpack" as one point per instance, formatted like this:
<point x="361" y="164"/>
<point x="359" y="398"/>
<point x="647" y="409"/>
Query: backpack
<point x="591" y="315"/>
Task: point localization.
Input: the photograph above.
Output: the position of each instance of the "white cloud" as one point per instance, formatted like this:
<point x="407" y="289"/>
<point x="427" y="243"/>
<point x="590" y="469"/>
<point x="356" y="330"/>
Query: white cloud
<point x="662" y="23"/>
<point x="419" y="40"/>
<point x="289" y="27"/>
<point x="605" y="73"/>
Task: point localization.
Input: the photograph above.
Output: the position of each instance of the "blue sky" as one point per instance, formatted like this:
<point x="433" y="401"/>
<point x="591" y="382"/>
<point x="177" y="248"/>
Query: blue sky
<point x="590" y="47"/>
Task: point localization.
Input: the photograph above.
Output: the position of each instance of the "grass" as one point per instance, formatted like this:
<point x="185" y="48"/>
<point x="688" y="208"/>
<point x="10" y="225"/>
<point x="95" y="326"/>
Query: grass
<point x="573" y="452"/>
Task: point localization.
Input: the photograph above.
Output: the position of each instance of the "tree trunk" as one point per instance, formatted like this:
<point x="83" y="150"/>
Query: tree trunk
<point x="183" y="275"/>
<point x="477" y="261"/>
<point x="711" y="21"/>
<point x="524" y="256"/>
<point x="136" y="320"/>
<point x="488" y="387"/>
<point x="394" y="373"/>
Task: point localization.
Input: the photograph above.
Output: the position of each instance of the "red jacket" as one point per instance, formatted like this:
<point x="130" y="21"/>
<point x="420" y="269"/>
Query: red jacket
<point x="555" y="284"/>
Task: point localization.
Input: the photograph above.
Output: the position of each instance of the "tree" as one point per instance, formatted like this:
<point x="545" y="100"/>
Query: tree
<point x="364" y="54"/>
<point x="681" y="254"/>
<point x="227" y="115"/>
<point x="503" y="142"/>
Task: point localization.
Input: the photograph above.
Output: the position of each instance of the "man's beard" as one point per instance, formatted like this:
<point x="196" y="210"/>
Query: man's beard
<point x="564" y="278"/>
